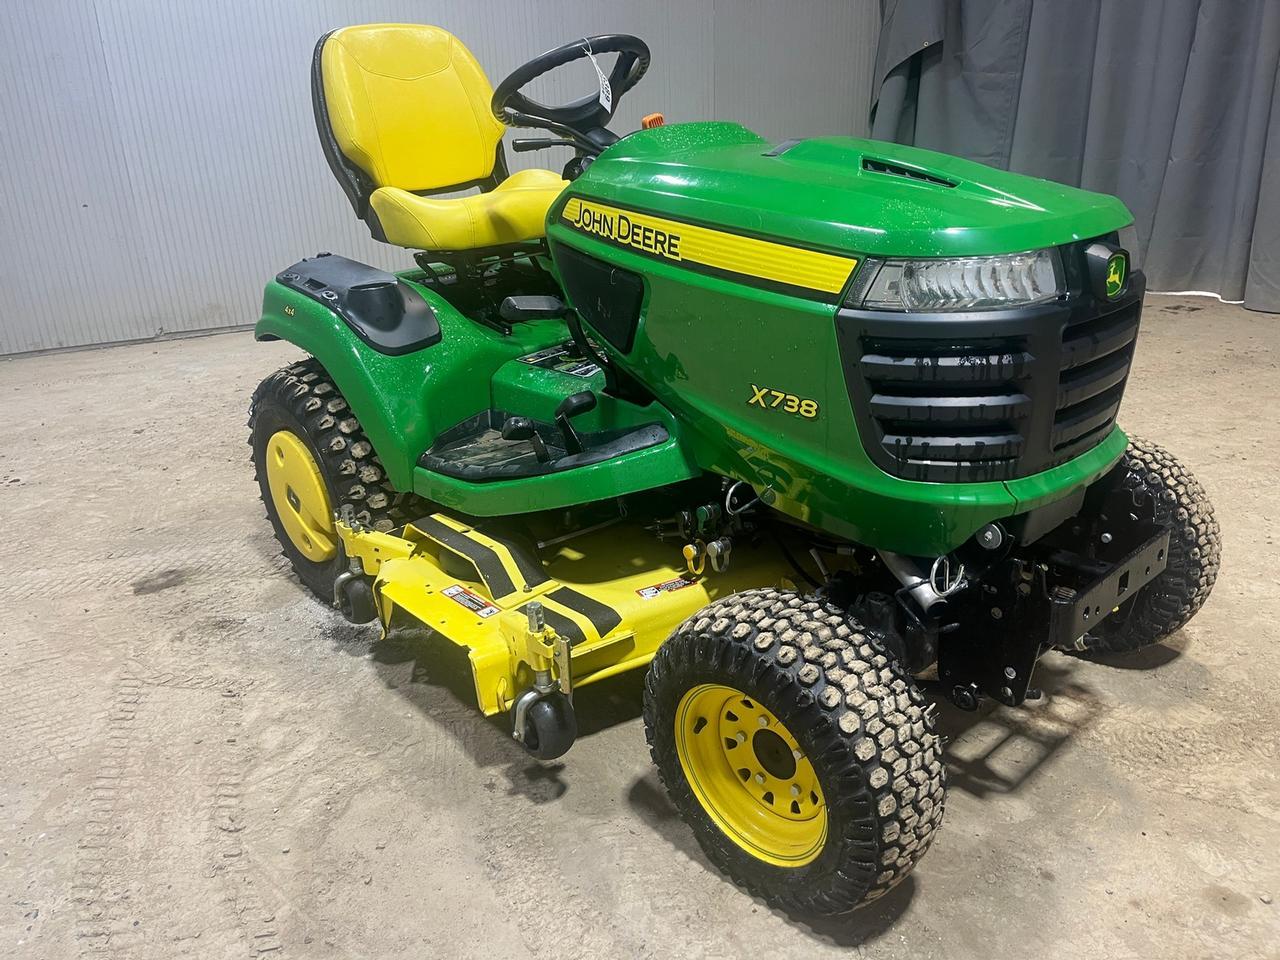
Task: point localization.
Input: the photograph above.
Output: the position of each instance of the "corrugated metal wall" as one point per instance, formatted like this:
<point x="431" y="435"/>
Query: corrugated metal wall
<point x="158" y="159"/>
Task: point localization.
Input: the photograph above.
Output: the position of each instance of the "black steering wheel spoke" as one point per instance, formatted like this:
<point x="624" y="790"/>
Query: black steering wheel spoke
<point x="582" y="121"/>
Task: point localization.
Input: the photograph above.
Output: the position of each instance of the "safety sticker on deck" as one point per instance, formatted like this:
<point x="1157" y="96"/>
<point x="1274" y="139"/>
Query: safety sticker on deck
<point x="472" y="601"/>
<point x="679" y="583"/>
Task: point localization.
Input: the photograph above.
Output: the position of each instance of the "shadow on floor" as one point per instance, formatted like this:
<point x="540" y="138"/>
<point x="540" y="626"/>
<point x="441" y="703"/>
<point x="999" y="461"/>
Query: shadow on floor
<point x="649" y="801"/>
<point x="434" y="675"/>
<point x="995" y="750"/>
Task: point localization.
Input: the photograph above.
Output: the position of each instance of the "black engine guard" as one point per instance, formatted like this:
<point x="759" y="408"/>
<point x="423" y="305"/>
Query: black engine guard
<point x="1030" y="605"/>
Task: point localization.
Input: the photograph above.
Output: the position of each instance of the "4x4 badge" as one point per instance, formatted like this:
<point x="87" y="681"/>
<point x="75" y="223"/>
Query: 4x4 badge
<point x="1117" y="267"/>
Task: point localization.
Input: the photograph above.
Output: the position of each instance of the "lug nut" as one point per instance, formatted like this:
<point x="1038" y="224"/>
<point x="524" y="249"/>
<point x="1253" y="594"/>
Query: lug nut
<point x="740" y="737"/>
<point x="759" y="778"/>
<point x="763" y="721"/>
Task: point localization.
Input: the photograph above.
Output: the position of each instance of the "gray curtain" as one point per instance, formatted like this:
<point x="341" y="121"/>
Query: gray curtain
<point x="1172" y="105"/>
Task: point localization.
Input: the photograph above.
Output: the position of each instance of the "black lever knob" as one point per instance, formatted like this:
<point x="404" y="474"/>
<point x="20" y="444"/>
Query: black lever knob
<point x="522" y="428"/>
<point x="517" y="428"/>
<point x="572" y="406"/>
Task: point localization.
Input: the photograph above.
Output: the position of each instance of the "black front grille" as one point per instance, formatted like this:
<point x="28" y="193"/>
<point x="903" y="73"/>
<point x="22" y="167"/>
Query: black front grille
<point x="987" y="395"/>
<point x="1095" y="359"/>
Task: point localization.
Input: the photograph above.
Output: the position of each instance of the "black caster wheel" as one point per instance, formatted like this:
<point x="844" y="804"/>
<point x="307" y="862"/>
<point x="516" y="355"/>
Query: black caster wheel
<point x="550" y="727"/>
<point x="355" y="601"/>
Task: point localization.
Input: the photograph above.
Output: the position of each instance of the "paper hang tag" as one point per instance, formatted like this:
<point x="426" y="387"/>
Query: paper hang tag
<point x="606" y="92"/>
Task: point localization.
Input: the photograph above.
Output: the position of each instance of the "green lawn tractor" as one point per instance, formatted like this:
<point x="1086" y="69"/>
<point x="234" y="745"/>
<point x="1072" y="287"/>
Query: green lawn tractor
<point x="796" y="426"/>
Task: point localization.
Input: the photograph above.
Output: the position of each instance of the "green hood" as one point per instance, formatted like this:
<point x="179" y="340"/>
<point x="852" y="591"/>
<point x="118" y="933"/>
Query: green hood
<point x="845" y="194"/>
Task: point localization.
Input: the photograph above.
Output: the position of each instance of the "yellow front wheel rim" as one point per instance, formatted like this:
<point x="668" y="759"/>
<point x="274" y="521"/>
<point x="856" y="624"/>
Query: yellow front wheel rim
<point x="750" y="775"/>
<point x="300" y="497"/>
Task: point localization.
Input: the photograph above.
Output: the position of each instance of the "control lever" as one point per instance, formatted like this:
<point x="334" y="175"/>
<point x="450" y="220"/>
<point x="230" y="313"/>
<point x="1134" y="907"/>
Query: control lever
<point x="525" y="144"/>
<point x="522" y="428"/>
<point x="520" y="309"/>
<point x="571" y="406"/>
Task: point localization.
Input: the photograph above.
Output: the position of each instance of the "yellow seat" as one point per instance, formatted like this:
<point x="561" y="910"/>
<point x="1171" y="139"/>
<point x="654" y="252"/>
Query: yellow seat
<point x="403" y="112"/>
<point x="514" y="210"/>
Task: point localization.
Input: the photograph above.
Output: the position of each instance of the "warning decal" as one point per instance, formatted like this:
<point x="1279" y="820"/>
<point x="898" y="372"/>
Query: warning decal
<point x="472" y="601"/>
<point x="563" y="359"/>
<point x="679" y="583"/>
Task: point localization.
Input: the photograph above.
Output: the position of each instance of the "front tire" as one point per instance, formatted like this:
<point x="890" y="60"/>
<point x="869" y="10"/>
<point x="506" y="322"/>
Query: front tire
<point x="311" y="458"/>
<point x="802" y="755"/>
<point x="1154" y="485"/>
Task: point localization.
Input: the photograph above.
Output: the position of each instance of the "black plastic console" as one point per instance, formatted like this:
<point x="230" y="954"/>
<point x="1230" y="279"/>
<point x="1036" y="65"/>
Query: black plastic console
<point x="379" y="307"/>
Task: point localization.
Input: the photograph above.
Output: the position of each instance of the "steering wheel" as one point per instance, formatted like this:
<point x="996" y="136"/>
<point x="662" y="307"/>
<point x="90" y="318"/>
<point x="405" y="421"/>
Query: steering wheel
<point x="581" y="121"/>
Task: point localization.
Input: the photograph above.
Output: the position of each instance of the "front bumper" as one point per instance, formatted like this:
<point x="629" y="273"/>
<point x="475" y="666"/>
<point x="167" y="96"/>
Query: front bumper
<point x="1077" y="610"/>
<point x="1048" y="598"/>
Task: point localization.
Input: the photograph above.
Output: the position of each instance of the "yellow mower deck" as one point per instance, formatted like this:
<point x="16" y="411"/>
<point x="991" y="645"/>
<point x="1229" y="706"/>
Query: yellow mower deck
<point x="609" y="598"/>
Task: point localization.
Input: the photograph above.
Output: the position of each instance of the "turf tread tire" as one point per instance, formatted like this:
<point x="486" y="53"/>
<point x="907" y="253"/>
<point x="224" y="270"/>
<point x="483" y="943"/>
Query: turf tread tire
<point x="854" y="710"/>
<point x="1162" y="489"/>
<point x="302" y="397"/>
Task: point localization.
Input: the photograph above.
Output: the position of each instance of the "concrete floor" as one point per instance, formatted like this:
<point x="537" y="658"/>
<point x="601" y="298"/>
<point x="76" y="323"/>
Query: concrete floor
<point x="199" y="760"/>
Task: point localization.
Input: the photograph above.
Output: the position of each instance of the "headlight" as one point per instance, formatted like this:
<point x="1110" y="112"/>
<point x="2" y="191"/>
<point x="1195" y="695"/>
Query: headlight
<point x="965" y="283"/>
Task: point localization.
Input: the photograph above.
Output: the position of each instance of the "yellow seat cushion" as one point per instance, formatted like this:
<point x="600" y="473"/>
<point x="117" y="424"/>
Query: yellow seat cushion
<point x="516" y="210"/>
<point x="409" y="106"/>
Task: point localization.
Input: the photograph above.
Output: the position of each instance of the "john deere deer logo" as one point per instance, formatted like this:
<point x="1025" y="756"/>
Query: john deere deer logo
<point x="1115" y="275"/>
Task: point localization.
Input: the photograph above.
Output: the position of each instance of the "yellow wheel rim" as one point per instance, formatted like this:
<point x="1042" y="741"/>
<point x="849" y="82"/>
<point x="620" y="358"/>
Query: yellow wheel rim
<point x="300" y="497"/>
<point x="750" y="775"/>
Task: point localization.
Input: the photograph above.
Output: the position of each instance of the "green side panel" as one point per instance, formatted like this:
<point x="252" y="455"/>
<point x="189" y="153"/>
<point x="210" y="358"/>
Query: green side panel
<point x="403" y="402"/>
<point x="705" y="342"/>
<point x="826" y="193"/>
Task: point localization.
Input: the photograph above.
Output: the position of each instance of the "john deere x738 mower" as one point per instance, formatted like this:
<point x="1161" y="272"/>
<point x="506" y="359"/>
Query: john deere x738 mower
<point x="789" y="424"/>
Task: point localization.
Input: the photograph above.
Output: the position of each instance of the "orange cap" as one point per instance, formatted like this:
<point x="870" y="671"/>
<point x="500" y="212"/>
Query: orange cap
<point x="653" y="120"/>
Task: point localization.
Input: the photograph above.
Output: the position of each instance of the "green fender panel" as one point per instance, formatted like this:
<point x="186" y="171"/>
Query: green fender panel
<point x="404" y="402"/>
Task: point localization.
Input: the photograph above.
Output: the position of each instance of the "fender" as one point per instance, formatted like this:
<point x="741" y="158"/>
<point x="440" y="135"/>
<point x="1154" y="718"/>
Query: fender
<point x="402" y="401"/>
<point x="405" y="400"/>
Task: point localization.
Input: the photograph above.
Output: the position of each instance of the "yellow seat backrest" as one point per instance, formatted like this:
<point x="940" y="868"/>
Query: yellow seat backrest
<point x="409" y="105"/>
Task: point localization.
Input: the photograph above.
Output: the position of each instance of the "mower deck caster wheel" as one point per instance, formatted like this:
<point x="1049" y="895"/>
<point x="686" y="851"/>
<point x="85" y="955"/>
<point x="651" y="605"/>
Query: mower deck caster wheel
<point x="550" y="726"/>
<point x="354" y="596"/>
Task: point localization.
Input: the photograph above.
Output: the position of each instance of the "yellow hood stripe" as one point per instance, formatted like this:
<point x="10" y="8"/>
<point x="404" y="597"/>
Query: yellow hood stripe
<point x="689" y="243"/>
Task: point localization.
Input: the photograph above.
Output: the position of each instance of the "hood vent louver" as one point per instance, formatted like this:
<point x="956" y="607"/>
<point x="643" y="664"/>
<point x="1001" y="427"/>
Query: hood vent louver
<point x="895" y="170"/>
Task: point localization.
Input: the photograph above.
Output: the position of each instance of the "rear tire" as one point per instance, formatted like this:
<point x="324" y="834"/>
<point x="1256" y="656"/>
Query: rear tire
<point x="866" y="757"/>
<point x="1154" y="485"/>
<point x="302" y="402"/>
